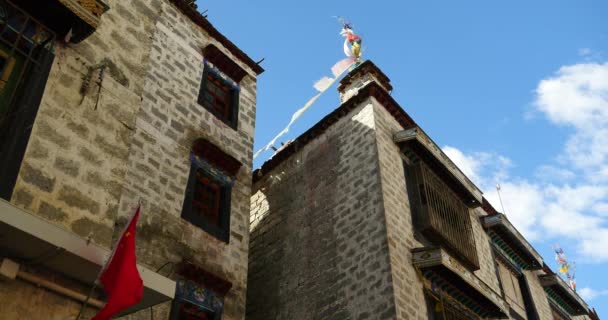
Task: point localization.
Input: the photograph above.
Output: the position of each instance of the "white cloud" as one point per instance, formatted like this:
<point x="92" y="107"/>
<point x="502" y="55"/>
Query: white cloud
<point x="552" y="173"/>
<point x="590" y="294"/>
<point x="566" y="202"/>
<point x="584" y="52"/>
<point x="577" y="95"/>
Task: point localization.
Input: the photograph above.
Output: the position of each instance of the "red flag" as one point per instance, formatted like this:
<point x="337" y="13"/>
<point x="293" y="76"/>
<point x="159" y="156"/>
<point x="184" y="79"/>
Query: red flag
<point x="120" y="277"/>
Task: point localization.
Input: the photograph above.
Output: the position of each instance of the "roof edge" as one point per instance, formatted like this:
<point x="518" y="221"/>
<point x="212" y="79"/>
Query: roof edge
<point x="202" y="22"/>
<point x="372" y="89"/>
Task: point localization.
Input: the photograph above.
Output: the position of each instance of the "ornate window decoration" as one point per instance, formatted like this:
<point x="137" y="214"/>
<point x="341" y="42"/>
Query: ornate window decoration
<point x="199" y="295"/>
<point x="194" y="302"/>
<point x="219" y="90"/>
<point x="208" y="194"/>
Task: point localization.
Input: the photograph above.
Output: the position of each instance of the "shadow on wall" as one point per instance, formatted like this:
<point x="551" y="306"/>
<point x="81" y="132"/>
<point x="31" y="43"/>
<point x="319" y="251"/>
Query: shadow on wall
<point x="318" y="246"/>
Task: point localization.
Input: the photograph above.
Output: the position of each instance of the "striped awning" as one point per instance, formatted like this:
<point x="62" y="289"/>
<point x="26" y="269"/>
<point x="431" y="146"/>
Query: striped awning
<point x="443" y="273"/>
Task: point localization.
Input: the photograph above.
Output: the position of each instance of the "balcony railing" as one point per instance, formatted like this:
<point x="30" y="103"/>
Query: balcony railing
<point x="441" y="215"/>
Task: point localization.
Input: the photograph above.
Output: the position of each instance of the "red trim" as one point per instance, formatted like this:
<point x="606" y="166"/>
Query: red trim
<point x="203" y="189"/>
<point x="221" y="104"/>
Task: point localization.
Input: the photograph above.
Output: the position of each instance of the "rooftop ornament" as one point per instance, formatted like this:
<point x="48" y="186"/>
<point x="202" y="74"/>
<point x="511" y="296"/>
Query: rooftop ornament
<point x="352" y="50"/>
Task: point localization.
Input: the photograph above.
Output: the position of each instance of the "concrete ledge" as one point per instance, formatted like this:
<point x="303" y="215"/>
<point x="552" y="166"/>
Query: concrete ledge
<point x="28" y="237"/>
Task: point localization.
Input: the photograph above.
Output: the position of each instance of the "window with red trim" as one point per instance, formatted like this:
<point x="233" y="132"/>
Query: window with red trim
<point x="219" y="96"/>
<point x="207" y="200"/>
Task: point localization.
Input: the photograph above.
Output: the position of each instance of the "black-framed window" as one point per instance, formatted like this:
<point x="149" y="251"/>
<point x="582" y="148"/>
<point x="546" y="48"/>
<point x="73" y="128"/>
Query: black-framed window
<point x="26" y="57"/>
<point x="207" y="201"/>
<point x="208" y="194"/>
<point x="219" y="96"/>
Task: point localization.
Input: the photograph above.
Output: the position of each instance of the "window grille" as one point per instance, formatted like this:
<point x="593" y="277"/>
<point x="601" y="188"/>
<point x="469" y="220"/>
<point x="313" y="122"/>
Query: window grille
<point x="441" y="215"/>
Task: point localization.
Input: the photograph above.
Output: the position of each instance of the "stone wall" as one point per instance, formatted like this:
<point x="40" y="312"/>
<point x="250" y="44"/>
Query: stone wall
<point x="539" y="297"/>
<point x="407" y="286"/>
<point x="169" y="121"/>
<point x="318" y="234"/>
<point x="94" y="153"/>
<point x="23" y="300"/>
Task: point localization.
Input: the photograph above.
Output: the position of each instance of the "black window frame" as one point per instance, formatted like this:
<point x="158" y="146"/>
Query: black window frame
<point x="221" y="230"/>
<point x="24" y="100"/>
<point x="233" y="94"/>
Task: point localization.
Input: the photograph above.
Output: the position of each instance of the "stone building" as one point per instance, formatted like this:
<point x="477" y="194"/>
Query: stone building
<point x="364" y="217"/>
<point x="106" y="104"/>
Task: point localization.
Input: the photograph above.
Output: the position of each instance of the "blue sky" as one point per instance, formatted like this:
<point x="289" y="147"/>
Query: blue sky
<point x="515" y="92"/>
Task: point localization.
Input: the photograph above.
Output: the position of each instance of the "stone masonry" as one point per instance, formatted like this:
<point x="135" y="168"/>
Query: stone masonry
<point x="319" y="248"/>
<point x="97" y="150"/>
<point x="331" y="225"/>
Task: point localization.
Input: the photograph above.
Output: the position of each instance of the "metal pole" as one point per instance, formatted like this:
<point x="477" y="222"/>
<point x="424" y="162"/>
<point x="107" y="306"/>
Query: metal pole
<point x="84" y="303"/>
<point x="500" y="198"/>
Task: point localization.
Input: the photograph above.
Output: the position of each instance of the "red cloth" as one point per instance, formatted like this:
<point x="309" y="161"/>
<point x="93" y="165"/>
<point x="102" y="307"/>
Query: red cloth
<point x="120" y="278"/>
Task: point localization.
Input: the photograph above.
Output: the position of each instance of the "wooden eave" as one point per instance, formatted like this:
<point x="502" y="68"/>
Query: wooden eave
<point x="558" y="291"/>
<point x="441" y="271"/>
<point x="216" y="156"/>
<point x="417" y="145"/>
<point x="511" y="242"/>
<point x="366" y="67"/>
<point x="80" y="17"/>
<point x="196" y="17"/>
<point x="204" y="278"/>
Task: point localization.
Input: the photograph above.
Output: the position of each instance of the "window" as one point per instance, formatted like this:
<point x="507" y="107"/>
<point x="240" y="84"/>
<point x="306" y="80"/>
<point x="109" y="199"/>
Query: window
<point x="199" y="295"/>
<point x="219" y="95"/>
<point x="194" y="301"/>
<point x="512" y="290"/>
<point x="188" y="311"/>
<point x="558" y="314"/>
<point x="219" y="91"/>
<point x="25" y="61"/>
<point x="208" y="194"/>
<point x="440" y="215"/>
<point x="442" y="309"/>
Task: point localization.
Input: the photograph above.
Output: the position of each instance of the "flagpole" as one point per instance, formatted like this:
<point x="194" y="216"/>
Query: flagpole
<point x="84" y="303"/>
